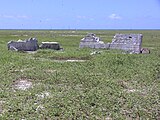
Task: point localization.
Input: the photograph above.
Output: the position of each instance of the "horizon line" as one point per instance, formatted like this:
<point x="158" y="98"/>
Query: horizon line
<point x="79" y="29"/>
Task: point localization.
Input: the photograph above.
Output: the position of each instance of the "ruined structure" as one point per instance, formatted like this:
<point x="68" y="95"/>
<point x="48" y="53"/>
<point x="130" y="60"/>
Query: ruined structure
<point x="50" y="45"/>
<point x="91" y="41"/>
<point x="127" y="42"/>
<point x="30" y="44"/>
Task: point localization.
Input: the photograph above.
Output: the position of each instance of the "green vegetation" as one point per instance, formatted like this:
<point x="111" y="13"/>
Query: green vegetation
<point x="109" y="85"/>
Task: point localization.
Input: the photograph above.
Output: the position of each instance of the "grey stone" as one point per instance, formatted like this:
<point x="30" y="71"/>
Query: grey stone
<point x="91" y="41"/>
<point x="27" y="45"/>
<point x="13" y="48"/>
<point x="145" y="51"/>
<point x="50" y="45"/>
<point x="127" y="42"/>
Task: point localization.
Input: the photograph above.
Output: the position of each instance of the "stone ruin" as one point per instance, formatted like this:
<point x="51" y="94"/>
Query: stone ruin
<point x="31" y="44"/>
<point x="128" y="42"/>
<point x="50" y="45"/>
<point x="91" y="41"/>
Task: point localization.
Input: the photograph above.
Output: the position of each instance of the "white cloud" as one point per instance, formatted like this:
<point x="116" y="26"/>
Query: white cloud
<point x="14" y="16"/>
<point x="115" y="17"/>
<point x="81" y="17"/>
<point x="6" y="16"/>
<point x="22" y="16"/>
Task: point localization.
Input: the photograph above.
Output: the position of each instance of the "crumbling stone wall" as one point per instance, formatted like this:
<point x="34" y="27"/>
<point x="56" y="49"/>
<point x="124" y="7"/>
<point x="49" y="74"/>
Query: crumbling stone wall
<point x="50" y="45"/>
<point x="30" y="44"/>
<point x="127" y="42"/>
<point x="91" y="41"/>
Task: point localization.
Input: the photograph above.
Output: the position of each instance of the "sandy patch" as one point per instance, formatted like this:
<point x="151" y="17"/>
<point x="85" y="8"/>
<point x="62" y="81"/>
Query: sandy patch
<point x="22" y="84"/>
<point x="69" y="60"/>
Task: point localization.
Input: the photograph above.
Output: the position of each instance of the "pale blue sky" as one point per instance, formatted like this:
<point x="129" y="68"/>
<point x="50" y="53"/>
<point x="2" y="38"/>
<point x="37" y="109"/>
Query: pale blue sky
<point x="79" y="14"/>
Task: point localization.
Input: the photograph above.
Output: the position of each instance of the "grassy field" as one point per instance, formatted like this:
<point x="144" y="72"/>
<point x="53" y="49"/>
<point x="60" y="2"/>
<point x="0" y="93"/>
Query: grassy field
<point x="105" y="86"/>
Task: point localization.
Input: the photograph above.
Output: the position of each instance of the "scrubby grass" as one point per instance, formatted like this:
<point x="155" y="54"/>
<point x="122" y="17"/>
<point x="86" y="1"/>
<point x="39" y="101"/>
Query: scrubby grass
<point x="109" y="85"/>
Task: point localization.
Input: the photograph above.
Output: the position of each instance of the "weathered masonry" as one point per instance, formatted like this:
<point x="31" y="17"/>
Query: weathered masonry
<point x="128" y="42"/>
<point x="91" y="41"/>
<point x="50" y="45"/>
<point x="30" y="44"/>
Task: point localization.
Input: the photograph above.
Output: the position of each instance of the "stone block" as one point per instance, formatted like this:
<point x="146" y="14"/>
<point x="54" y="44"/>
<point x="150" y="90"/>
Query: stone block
<point x="127" y="42"/>
<point x="91" y="41"/>
<point x="30" y="44"/>
<point x="50" y="45"/>
<point x="145" y="51"/>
